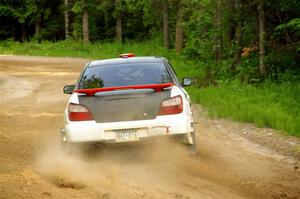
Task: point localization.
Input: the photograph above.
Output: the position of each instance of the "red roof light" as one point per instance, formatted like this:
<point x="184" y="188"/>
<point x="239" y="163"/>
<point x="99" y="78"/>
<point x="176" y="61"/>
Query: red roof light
<point x="126" y="55"/>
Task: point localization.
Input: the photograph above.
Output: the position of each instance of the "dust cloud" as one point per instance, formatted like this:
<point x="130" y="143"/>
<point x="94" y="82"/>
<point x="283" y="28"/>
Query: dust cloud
<point x="106" y="165"/>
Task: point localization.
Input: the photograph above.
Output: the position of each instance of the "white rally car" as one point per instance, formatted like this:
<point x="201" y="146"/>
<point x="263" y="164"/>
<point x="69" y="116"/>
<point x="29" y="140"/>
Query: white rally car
<point x="127" y="99"/>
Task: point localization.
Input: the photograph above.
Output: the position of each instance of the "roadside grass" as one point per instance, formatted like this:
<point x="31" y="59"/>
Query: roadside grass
<point x="267" y="105"/>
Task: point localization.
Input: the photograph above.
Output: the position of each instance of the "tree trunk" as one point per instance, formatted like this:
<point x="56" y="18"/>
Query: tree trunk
<point x="218" y="36"/>
<point x="262" y="32"/>
<point x="238" y="36"/>
<point x="118" y="15"/>
<point x="235" y="34"/>
<point x="119" y="28"/>
<point x="232" y="21"/>
<point x="165" y="24"/>
<point x="85" y="23"/>
<point x="179" y="28"/>
<point x="24" y="33"/>
<point x="37" y="29"/>
<point x="106" y="27"/>
<point x="66" y="2"/>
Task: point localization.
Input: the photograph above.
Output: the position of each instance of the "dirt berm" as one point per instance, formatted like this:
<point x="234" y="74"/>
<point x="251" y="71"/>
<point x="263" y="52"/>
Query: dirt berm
<point x="229" y="165"/>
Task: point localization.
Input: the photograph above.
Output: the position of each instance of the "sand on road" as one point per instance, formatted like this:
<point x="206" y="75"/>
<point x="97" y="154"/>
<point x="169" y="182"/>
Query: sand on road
<point x="33" y="166"/>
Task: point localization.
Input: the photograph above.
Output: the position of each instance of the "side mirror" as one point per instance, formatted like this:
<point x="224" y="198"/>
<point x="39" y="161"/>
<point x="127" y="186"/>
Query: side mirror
<point x="187" y="81"/>
<point x="68" y="89"/>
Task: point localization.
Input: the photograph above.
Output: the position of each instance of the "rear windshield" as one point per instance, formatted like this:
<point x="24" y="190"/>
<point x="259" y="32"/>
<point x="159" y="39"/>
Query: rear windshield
<point x="124" y="75"/>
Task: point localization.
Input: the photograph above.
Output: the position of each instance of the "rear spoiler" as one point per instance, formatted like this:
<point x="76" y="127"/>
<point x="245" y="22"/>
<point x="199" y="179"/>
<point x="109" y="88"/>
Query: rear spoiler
<point x="155" y="87"/>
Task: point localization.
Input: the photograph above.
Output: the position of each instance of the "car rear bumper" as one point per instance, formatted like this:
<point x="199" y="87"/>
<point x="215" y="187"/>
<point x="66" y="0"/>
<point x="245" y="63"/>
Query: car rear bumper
<point x="90" y="131"/>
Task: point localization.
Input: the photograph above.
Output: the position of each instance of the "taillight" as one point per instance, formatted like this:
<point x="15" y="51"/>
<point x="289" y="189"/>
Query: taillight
<point x="171" y="106"/>
<point x="79" y="112"/>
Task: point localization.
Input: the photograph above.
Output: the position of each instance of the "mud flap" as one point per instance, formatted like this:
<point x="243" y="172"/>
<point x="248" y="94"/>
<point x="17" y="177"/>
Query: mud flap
<point x="189" y="139"/>
<point x="192" y="141"/>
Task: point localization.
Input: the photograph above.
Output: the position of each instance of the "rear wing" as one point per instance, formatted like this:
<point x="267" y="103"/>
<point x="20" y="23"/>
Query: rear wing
<point x="155" y="87"/>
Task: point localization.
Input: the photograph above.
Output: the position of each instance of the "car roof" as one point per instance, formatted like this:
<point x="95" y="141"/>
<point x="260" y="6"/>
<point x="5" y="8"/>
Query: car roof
<point x="118" y="61"/>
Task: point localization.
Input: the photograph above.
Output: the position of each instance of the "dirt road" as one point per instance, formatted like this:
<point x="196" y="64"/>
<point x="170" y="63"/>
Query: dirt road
<point x="32" y="166"/>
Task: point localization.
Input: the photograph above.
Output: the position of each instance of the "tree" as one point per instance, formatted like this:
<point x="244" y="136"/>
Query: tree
<point x="218" y="28"/>
<point x="179" y="27"/>
<point x="165" y="24"/>
<point x="22" y="14"/>
<point x="37" y="11"/>
<point x="85" y="22"/>
<point x="118" y="16"/>
<point x="66" y="13"/>
<point x="262" y="32"/>
<point x="105" y="9"/>
<point x="234" y="32"/>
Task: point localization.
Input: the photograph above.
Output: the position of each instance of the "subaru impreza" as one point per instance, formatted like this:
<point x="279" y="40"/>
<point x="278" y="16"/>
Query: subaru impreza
<point x="128" y="99"/>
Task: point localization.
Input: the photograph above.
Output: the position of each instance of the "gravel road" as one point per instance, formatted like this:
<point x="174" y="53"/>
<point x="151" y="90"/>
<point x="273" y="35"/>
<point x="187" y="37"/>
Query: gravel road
<point x="33" y="166"/>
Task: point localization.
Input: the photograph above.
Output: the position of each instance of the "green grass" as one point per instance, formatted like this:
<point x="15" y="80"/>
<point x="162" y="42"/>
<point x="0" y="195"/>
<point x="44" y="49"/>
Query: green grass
<point x="269" y="105"/>
<point x="75" y="49"/>
<point x="274" y="106"/>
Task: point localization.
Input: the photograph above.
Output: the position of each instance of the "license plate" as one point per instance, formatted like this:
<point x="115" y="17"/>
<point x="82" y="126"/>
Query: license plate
<point x="126" y="135"/>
